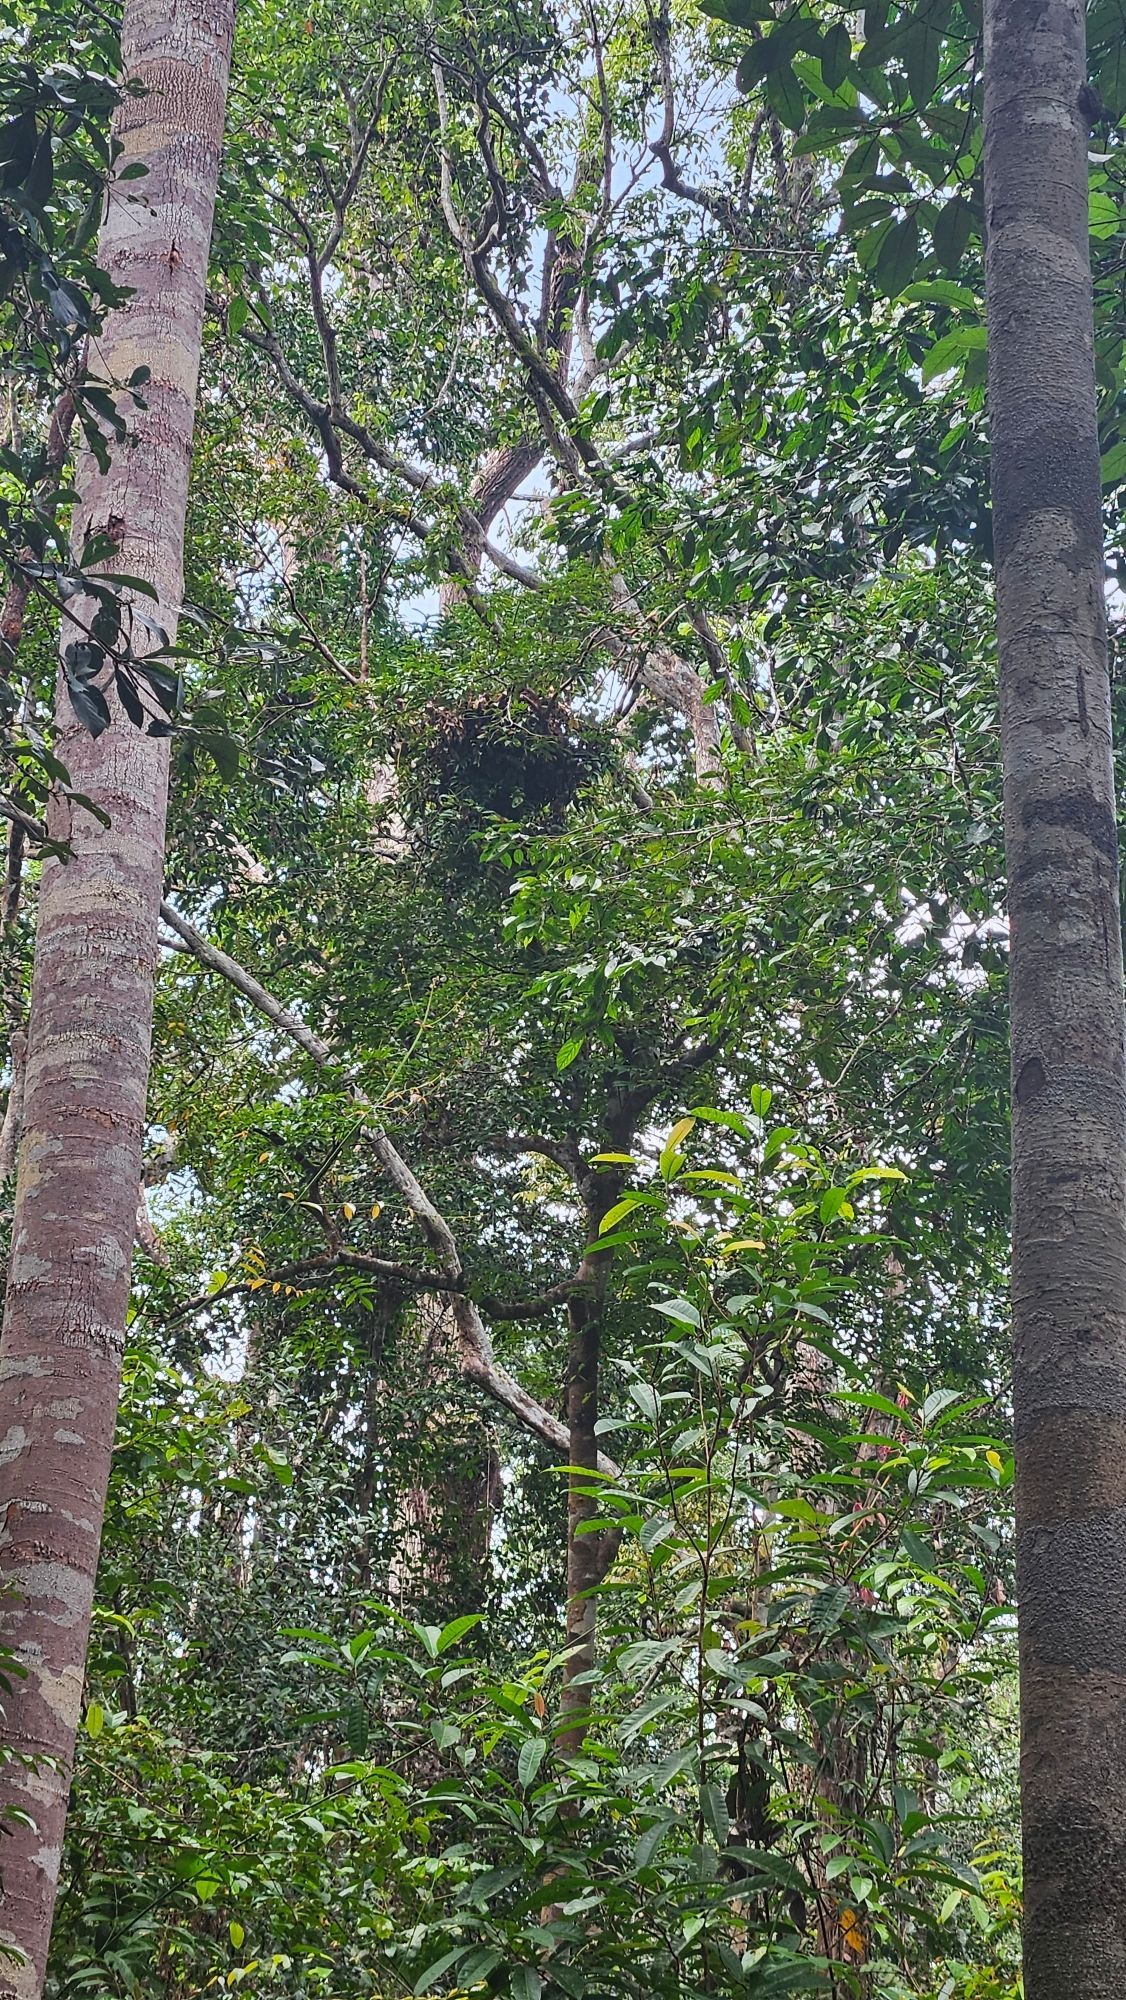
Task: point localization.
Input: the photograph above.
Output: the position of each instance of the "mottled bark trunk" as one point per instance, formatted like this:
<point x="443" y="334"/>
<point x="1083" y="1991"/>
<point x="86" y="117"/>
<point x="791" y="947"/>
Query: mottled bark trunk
<point x="91" y="1008"/>
<point x="1068" y="1075"/>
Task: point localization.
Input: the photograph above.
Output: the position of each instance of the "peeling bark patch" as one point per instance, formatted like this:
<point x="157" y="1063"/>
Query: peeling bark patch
<point x="1073" y="1465"/>
<point x="1080" y="814"/>
<point x="1048" y="468"/>
<point x="1030" y="1081"/>
<point x="13" y="1442"/>
<point x="1072" y="1578"/>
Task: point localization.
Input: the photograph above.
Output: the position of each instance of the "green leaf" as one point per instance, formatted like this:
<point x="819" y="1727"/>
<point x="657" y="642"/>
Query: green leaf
<point x="568" y="1053"/>
<point x="224" y="754"/>
<point x="950" y="232"/>
<point x="621" y="1208"/>
<point x="713" y="1805"/>
<point x="951" y="351"/>
<point x="936" y="1402"/>
<point x="835" y="1202"/>
<point x="645" y="1654"/>
<point x="739" y="13"/>
<point x="670" y="1151"/>
<point x="18" y="145"/>
<point x="899" y="257"/>
<point x="1114" y="464"/>
<point x="1105" y="216"/>
<point x="1110" y="78"/>
<point x="919" y="1551"/>
<point x="129" y="698"/>
<point x="90" y="706"/>
<point x="828" y="1608"/>
<point x="647" y="1843"/>
<point x="836" y="55"/>
<point x="785" y="95"/>
<point x="681" y="1310"/>
<point x="457" y="1629"/>
<point x="531" y="1757"/>
<point x="40" y="181"/>
<point x="646" y="1399"/>
<point x="95" y="1718"/>
<point x="356" y="1728"/>
<point x="434" y="1972"/>
<point x="238" y="312"/>
<point x="942" y="292"/>
<point x="921" y="52"/>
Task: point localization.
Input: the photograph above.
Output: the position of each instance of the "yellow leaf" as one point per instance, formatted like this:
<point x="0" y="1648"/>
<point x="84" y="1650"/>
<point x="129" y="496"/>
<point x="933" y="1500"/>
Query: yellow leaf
<point x="852" y="1932"/>
<point x="261" y="1157"/>
<point x="995" y="1460"/>
<point x="349" y="1211"/>
<point x="275" y="1288"/>
<point x="670" y="1158"/>
<point x="743" y="1243"/>
<point x="376" y="1210"/>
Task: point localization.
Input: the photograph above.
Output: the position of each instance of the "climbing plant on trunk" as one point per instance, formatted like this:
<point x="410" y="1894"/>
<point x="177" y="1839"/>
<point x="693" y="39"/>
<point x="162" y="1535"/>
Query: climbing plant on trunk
<point x="1068" y="1077"/>
<point x="91" y="1011"/>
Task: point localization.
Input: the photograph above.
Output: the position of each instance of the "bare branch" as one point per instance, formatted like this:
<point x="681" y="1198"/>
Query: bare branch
<point x="478" y="1361"/>
<point x="564" y="1152"/>
<point x="147" y="1234"/>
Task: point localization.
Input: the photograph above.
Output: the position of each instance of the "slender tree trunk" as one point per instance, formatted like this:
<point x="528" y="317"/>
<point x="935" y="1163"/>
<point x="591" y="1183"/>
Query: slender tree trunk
<point x="589" y="1555"/>
<point x="1068" y="1072"/>
<point x="91" y="1008"/>
<point x="584" y="1564"/>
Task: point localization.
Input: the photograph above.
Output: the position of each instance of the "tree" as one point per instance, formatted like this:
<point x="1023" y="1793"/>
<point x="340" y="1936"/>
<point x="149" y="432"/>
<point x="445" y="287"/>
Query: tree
<point x="596" y="565"/>
<point x="89" y="1028"/>
<point x="1066" y="1000"/>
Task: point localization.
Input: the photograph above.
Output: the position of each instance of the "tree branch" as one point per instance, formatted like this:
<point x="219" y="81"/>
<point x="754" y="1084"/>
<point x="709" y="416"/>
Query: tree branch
<point x="478" y="1361"/>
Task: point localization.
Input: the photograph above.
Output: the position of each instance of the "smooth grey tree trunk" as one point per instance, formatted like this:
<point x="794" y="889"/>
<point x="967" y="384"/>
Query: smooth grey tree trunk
<point x="1066" y="984"/>
<point x="91" y="1006"/>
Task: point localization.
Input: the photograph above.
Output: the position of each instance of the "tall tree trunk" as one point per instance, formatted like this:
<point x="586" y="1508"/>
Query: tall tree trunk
<point x="91" y="1008"/>
<point x="585" y="1566"/>
<point x="1068" y="1071"/>
<point x="589" y="1554"/>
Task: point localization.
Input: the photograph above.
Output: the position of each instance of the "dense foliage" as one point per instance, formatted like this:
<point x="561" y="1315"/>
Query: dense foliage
<point x="588" y="732"/>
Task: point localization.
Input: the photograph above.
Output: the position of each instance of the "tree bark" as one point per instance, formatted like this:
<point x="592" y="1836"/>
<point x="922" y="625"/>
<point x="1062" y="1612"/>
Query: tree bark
<point x="590" y="1555"/>
<point x="1066" y="987"/>
<point x="91" y="1008"/>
